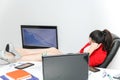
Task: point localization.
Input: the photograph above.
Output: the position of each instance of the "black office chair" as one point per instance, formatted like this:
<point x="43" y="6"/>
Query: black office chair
<point x="113" y="51"/>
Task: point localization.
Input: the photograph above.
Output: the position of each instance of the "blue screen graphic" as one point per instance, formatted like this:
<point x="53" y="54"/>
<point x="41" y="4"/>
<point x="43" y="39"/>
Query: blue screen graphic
<point x="39" y="37"/>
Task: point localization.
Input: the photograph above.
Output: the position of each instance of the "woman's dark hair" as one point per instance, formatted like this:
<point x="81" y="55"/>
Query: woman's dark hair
<point x="103" y="37"/>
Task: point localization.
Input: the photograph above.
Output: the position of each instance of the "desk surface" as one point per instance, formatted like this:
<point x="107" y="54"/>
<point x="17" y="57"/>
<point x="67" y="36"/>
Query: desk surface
<point x="104" y="74"/>
<point x="36" y="70"/>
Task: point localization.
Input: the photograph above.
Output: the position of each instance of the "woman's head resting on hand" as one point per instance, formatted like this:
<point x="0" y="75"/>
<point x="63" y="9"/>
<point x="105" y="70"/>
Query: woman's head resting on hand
<point x="101" y="37"/>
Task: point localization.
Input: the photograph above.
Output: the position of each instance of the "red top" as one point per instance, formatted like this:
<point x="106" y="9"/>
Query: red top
<point x="97" y="57"/>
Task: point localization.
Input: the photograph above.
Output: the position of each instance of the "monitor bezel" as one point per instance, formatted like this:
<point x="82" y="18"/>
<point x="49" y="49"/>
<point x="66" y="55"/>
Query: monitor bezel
<point x="38" y="27"/>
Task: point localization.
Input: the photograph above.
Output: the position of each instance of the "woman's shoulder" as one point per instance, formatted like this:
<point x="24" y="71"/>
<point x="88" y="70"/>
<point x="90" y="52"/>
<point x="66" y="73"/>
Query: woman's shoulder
<point x="101" y="50"/>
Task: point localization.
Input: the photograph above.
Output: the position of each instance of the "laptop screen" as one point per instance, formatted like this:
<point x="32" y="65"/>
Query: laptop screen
<point x="38" y="36"/>
<point x="65" y="67"/>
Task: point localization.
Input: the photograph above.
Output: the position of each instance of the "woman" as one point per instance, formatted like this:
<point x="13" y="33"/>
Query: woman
<point x="98" y="47"/>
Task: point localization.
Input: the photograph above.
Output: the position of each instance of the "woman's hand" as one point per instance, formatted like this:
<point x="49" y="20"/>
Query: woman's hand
<point x="93" y="47"/>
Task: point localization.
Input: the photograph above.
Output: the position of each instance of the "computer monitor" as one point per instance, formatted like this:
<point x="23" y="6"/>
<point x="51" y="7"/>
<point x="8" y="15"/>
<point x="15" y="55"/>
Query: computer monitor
<point x="38" y="36"/>
<point x="65" y="67"/>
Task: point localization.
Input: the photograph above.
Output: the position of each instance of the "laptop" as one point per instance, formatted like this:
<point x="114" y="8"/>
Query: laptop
<point x="65" y="67"/>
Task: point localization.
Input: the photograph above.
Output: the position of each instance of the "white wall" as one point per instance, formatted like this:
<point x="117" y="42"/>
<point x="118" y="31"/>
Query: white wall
<point x="75" y="19"/>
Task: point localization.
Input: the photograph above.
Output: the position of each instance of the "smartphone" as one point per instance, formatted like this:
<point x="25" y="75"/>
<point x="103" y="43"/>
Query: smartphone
<point x="94" y="69"/>
<point x="25" y="65"/>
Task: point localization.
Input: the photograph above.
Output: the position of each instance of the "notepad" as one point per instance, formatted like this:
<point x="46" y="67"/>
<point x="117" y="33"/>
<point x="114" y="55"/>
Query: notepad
<point x="19" y="74"/>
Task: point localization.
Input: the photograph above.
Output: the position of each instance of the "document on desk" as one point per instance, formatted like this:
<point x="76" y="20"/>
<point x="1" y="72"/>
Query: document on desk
<point x="105" y="74"/>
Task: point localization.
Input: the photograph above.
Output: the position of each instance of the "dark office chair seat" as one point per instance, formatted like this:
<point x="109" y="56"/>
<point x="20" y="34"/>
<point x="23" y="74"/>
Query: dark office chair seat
<point x="113" y="51"/>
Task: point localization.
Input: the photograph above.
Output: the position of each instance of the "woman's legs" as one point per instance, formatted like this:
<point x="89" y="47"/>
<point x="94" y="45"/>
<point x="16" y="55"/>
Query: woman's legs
<point x="30" y="54"/>
<point x="24" y="52"/>
<point x="36" y="54"/>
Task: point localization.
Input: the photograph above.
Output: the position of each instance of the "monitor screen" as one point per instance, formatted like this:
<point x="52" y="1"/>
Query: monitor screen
<point x="34" y="36"/>
<point x="65" y="67"/>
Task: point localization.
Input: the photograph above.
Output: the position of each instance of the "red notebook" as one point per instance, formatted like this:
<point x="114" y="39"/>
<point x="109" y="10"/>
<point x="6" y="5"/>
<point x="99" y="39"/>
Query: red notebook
<point x="19" y="74"/>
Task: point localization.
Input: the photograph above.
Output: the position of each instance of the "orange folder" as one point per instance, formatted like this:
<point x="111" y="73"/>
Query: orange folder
<point x="19" y="74"/>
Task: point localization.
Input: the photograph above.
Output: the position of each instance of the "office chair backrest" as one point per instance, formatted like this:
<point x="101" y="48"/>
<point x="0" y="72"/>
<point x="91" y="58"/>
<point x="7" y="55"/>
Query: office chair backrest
<point x="113" y="51"/>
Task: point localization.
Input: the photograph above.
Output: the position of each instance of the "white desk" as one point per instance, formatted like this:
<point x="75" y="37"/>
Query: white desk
<point x="36" y="70"/>
<point x="104" y="74"/>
